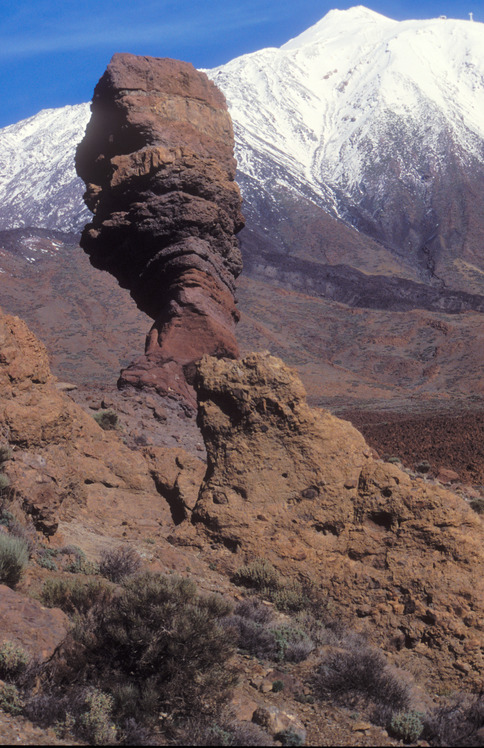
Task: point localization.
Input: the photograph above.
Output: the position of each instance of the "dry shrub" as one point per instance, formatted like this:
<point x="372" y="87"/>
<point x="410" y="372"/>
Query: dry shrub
<point x="13" y="660"/>
<point x="259" y="633"/>
<point x="457" y="722"/>
<point x="74" y="596"/>
<point x="360" y="676"/>
<point x="156" y="645"/>
<point x="14" y="557"/>
<point x="119" y="563"/>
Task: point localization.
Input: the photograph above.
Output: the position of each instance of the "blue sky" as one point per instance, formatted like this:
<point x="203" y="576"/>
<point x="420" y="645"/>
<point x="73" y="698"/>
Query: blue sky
<point x="53" y="53"/>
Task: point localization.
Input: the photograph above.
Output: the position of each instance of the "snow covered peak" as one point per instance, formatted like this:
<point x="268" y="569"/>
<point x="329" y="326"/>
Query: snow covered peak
<point x="340" y="23"/>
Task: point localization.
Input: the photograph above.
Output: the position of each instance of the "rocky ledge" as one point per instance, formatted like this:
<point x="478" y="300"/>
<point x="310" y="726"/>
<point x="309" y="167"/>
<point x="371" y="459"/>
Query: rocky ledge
<point x="157" y="160"/>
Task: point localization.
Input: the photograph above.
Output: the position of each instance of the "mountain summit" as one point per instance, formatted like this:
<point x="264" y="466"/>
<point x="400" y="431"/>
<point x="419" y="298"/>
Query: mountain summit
<point x="379" y="122"/>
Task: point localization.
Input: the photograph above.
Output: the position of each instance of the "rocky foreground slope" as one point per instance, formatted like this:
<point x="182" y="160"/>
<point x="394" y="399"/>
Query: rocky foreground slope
<point x="392" y="554"/>
<point x="157" y="159"/>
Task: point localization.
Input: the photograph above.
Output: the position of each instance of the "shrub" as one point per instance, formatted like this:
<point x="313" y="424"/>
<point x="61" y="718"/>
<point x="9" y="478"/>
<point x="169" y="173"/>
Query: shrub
<point x="277" y="686"/>
<point x="5" y="453"/>
<point x="13" y="660"/>
<point x="477" y="505"/>
<point x="76" y="561"/>
<point x="4" y="482"/>
<point x="259" y="575"/>
<point x="75" y="596"/>
<point x="96" y="723"/>
<point x="27" y="534"/>
<point x="10" y="700"/>
<point x="107" y="419"/>
<point x="259" y="634"/>
<point x="289" y="737"/>
<point x="423" y="466"/>
<point x="457" y="722"/>
<point x="361" y="674"/>
<point x="120" y="563"/>
<point x="14" y="557"/>
<point x="226" y="731"/>
<point x="155" y="644"/>
<point x="407" y="726"/>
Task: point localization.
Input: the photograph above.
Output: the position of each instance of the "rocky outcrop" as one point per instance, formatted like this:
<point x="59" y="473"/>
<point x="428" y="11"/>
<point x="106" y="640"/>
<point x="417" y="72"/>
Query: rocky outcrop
<point x="26" y="623"/>
<point x="392" y="553"/>
<point x="157" y="159"/>
<point x="63" y="466"/>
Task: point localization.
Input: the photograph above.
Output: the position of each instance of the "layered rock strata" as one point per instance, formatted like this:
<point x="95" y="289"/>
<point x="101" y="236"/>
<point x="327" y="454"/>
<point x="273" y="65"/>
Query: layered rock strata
<point x="392" y="553"/>
<point x="158" y="164"/>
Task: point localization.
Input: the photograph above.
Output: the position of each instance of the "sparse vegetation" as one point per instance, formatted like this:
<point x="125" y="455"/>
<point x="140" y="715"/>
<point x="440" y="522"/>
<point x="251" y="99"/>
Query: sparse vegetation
<point x="4" y="482"/>
<point x="14" y="557"/>
<point x="96" y="722"/>
<point x="75" y="596"/>
<point x="119" y="563"/>
<point x="260" y="634"/>
<point x="13" y="660"/>
<point x="155" y="645"/>
<point x="407" y="726"/>
<point x="263" y="577"/>
<point x="459" y="721"/>
<point x="355" y="674"/>
<point x="107" y="419"/>
<point x="10" y="700"/>
<point x="5" y="453"/>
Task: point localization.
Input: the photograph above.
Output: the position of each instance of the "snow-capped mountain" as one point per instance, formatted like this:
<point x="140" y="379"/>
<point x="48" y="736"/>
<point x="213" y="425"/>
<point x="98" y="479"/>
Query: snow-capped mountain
<point x="38" y="181"/>
<point x="374" y="122"/>
<point x="378" y="121"/>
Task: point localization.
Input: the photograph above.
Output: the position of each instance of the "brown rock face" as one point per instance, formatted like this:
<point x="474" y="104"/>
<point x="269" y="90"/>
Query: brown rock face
<point x="157" y="159"/>
<point x="64" y="466"/>
<point x="299" y="487"/>
<point x="26" y="622"/>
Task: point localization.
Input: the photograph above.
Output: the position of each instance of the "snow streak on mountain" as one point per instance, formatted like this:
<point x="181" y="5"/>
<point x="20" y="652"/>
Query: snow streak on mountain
<point x="38" y="182"/>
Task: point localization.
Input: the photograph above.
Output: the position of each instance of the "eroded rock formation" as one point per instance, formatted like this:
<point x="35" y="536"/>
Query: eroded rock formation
<point x="299" y="487"/>
<point x="157" y="159"/>
<point x="65" y="469"/>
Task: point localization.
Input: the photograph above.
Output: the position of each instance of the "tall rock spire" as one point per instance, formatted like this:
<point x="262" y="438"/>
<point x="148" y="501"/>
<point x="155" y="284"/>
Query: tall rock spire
<point x="157" y="160"/>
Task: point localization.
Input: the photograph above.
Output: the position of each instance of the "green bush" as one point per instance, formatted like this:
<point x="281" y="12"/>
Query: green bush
<point x="260" y="575"/>
<point x="96" y="723"/>
<point x="107" y="419"/>
<point x="13" y="660"/>
<point x="75" y="596"/>
<point x="407" y="726"/>
<point x="10" y="700"/>
<point x="4" y="482"/>
<point x="14" y="557"/>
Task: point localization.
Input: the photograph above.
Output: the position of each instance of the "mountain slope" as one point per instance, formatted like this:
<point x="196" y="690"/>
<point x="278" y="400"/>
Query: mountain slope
<point x="38" y="183"/>
<point x="381" y="123"/>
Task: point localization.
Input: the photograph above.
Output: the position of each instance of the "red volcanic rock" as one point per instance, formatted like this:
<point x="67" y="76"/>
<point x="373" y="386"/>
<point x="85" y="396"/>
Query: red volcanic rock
<point x="26" y="622"/>
<point x="157" y="159"/>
